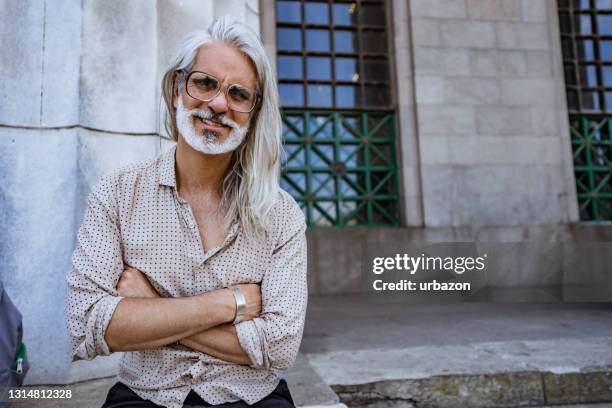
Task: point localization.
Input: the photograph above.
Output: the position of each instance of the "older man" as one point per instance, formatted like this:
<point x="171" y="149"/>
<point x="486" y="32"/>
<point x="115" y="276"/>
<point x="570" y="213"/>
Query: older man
<point x="194" y="263"/>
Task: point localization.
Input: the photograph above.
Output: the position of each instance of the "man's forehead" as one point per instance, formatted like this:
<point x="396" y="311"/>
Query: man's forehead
<point x="225" y="62"/>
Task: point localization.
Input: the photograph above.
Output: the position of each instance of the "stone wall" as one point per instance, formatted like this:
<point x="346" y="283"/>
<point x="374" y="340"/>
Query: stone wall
<point x="493" y="137"/>
<point x="78" y="97"/>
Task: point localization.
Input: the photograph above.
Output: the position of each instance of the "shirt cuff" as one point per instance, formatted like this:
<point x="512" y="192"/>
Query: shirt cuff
<point x="94" y="343"/>
<point x="108" y="306"/>
<point x="252" y="339"/>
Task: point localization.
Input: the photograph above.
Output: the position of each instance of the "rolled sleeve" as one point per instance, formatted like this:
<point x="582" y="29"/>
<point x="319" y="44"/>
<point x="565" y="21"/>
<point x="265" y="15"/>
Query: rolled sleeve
<point x="96" y="266"/>
<point x="272" y="340"/>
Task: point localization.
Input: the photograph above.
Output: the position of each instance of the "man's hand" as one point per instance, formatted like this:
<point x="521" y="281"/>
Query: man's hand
<point x="135" y="284"/>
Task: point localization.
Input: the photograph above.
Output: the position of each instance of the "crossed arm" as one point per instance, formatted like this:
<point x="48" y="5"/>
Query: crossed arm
<point x="110" y="310"/>
<point x="145" y="320"/>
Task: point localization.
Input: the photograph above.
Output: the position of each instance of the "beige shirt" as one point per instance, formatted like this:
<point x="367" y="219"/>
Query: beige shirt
<point x="135" y="216"/>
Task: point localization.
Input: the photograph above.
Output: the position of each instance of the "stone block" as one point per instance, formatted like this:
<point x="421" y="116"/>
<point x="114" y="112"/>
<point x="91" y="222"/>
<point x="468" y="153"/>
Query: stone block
<point x="578" y="387"/>
<point x="503" y="121"/>
<point x="425" y="32"/>
<point x="118" y="66"/>
<point x="483" y="209"/>
<point x="437" y="178"/>
<point x="534" y="11"/>
<point x="22" y="59"/>
<point x="545" y="179"/>
<point x="447" y="61"/>
<point x="434" y="150"/>
<point x="471" y="91"/>
<point x="38" y="223"/>
<point x="543" y="209"/>
<point x="442" y="120"/>
<point x="438" y="8"/>
<point x="429" y="89"/>
<point x="524" y="36"/>
<point x="500" y="150"/>
<point x="457" y="33"/>
<point x="546" y="121"/>
<point x="498" y="63"/>
<point x="528" y="92"/>
<point x="437" y="210"/>
<point x="476" y="391"/>
<point x="101" y="153"/>
<point x="521" y="179"/>
<point x="339" y="258"/>
<point x="508" y="10"/>
<point x="493" y="179"/>
<point x="473" y="150"/>
<point x="438" y="195"/>
<point x="539" y="64"/>
<point x="61" y="65"/>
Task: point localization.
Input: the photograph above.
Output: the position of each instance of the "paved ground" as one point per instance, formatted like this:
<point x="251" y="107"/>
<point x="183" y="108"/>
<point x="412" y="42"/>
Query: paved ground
<point x="381" y="352"/>
<point x="364" y="322"/>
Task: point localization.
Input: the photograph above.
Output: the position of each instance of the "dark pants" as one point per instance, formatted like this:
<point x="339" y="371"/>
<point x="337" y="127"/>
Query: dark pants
<point x="121" y="396"/>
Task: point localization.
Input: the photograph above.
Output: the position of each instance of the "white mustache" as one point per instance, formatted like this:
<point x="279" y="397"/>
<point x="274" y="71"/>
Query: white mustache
<point x="208" y="114"/>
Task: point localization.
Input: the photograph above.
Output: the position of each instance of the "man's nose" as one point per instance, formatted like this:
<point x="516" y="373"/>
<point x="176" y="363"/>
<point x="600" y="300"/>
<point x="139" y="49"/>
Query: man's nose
<point x="219" y="103"/>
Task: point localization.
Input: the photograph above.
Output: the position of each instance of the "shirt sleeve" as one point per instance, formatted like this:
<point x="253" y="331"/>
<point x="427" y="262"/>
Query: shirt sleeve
<point x="272" y="340"/>
<point x="96" y="266"/>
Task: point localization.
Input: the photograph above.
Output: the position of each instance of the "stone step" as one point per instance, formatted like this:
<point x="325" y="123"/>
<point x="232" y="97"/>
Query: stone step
<point x="491" y="374"/>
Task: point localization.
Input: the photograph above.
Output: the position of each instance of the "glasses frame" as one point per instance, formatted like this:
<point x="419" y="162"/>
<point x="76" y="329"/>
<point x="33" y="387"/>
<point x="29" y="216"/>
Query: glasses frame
<point x="186" y="75"/>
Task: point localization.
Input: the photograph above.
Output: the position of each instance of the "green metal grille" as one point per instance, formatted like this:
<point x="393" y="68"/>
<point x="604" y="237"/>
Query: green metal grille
<point x="341" y="166"/>
<point x="592" y="153"/>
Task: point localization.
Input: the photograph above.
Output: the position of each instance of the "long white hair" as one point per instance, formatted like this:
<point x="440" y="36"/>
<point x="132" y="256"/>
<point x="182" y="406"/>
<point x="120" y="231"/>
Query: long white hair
<point x="251" y="185"/>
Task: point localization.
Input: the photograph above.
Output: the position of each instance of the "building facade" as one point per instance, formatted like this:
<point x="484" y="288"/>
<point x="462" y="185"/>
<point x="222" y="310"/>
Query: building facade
<point x="424" y="120"/>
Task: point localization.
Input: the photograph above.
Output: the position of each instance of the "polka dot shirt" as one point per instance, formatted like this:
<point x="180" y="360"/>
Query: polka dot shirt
<point x="134" y="216"/>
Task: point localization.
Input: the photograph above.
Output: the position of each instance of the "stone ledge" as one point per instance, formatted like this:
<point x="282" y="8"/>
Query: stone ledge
<point x="518" y="389"/>
<point x="489" y="374"/>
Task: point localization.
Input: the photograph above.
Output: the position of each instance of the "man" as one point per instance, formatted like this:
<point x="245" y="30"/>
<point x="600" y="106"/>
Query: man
<point x="194" y="263"/>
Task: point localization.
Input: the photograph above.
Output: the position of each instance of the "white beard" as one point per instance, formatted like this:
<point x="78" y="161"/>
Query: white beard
<point x="208" y="142"/>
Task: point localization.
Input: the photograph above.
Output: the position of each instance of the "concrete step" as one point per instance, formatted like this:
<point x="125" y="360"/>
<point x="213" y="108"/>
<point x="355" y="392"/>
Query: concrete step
<point x="489" y="374"/>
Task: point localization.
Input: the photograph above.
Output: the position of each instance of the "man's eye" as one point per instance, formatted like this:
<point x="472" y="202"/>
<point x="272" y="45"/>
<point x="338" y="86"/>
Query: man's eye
<point x="239" y="94"/>
<point x="205" y="83"/>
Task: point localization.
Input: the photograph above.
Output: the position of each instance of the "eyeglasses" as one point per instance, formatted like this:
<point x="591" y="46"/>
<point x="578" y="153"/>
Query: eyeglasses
<point x="205" y="87"/>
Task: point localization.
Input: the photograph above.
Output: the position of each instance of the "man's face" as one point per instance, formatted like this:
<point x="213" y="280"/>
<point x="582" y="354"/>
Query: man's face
<point x="213" y="127"/>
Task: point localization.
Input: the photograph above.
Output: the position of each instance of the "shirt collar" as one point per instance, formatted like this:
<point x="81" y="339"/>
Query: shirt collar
<point x="167" y="169"/>
<point x="167" y="177"/>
